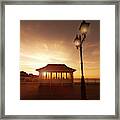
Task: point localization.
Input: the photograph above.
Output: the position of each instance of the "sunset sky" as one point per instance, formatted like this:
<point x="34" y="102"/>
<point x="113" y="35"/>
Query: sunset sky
<point x="51" y="42"/>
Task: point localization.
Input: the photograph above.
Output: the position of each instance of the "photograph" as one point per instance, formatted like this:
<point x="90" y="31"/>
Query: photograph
<point x="59" y="60"/>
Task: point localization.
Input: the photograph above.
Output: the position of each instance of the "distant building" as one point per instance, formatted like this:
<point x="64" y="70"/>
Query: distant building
<point x="56" y="73"/>
<point x="23" y="74"/>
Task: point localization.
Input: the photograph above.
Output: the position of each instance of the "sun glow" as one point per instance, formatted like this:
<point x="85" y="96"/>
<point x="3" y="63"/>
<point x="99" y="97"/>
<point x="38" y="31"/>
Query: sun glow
<point x="44" y="74"/>
<point x="41" y="44"/>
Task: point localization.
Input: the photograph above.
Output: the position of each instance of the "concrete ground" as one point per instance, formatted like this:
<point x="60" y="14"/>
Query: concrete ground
<point x="35" y="91"/>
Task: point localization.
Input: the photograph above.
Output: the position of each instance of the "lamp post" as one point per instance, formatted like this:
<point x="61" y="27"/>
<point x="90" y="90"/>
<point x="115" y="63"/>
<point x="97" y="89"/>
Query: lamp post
<point x="79" y="39"/>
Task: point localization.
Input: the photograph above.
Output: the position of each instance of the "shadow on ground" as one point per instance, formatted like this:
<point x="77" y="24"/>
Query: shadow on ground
<point x="35" y="91"/>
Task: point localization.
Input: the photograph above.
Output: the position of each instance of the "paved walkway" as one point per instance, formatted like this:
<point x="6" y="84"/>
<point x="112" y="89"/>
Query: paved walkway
<point x="36" y="92"/>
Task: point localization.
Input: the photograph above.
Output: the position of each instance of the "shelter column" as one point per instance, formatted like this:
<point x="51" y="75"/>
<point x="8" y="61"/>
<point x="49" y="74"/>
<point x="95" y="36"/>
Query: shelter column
<point x="50" y="75"/>
<point x="50" y="78"/>
<point x="56" y="75"/>
<point x="46" y="75"/>
<point x="61" y="79"/>
<point x="71" y="75"/>
<point x="66" y="75"/>
<point x="61" y="75"/>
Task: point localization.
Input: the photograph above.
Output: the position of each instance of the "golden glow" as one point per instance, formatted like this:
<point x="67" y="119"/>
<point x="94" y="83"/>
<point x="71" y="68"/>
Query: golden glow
<point x="84" y="27"/>
<point x="83" y="30"/>
<point x="77" y="42"/>
<point x="44" y="74"/>
<point x="39" y="47"/>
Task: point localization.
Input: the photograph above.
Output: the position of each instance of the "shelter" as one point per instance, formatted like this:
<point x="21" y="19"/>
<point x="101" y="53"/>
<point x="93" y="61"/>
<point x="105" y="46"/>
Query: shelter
<point x="56" y="73"/>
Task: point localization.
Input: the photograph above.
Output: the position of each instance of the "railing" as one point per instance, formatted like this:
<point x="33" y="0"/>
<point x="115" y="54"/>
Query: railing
<point x="38" y="80"/>
<point x="88" y="81"/>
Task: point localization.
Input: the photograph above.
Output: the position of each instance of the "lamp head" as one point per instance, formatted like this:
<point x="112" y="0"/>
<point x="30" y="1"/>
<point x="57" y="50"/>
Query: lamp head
<point x="84" y="27"/>
<point x="77" y="41"/>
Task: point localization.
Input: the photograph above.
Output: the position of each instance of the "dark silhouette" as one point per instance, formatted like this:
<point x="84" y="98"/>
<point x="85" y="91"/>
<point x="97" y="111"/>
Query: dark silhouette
<point x="55" y="74"/>
<point x="79" y="42"/>
<point x="23" y="74"/>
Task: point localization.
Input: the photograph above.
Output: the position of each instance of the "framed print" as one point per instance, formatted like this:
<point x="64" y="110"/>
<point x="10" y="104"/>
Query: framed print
<point x="59" y="59"/>
<point x="52" y="73"/>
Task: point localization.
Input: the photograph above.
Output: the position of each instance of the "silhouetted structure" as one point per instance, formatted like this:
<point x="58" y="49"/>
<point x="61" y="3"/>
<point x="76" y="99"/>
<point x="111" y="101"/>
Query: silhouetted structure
<point x="79" y="43"/>
<point x="23" y="74"/>
<point x="56" y="73"/>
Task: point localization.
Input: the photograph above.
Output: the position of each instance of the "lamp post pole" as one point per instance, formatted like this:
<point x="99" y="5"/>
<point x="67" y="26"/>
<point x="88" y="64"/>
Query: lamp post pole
<point x="83" y="86"/>
<point x="79" y="42"/>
